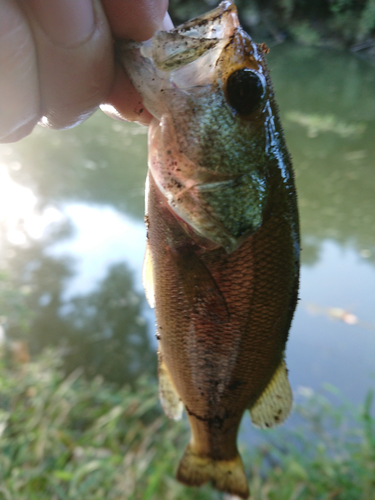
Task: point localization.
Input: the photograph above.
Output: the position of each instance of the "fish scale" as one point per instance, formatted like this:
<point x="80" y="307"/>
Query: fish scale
<point x="222" y="257"/>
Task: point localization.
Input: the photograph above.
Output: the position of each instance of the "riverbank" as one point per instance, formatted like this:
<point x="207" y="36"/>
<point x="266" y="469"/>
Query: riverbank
<point x="64" y="438"/>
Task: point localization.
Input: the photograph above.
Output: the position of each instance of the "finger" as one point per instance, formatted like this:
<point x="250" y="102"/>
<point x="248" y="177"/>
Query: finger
<point x="124" y="102"/>
<point x="19" y="87"/>
<point x="75" y="58"/>
<point x="136" y="19"/>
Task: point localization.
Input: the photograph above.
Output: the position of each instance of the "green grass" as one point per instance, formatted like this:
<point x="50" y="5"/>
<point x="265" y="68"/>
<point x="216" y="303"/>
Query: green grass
<point x="68" y="438"/>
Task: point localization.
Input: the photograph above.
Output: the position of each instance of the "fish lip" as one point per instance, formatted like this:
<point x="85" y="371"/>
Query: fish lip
<point x="165" y="57"/>
<point x="227" y="6"/>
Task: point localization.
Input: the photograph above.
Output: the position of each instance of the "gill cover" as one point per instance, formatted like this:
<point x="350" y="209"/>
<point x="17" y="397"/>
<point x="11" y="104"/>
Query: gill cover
<point x="209" y="73"/>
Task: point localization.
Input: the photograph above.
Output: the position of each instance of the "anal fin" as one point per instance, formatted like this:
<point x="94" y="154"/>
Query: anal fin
<point x="274" y="405"/>
<point x="169" y="398"/>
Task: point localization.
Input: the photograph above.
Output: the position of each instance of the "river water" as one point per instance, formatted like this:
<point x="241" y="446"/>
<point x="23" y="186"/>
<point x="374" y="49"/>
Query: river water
<point x="72" y="232"/>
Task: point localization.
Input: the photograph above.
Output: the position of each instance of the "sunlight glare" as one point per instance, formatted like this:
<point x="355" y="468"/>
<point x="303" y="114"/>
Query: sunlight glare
<point x="19" y="217"/>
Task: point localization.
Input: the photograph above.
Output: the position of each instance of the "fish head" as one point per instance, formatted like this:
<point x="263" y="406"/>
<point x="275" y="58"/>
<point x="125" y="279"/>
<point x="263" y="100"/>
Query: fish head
<point x="216" y="135"/>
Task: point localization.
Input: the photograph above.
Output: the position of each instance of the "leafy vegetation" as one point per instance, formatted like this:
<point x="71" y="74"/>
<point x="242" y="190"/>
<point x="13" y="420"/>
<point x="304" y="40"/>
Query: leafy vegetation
<point x="322" y="22"/>
<point x="65" y="438"/>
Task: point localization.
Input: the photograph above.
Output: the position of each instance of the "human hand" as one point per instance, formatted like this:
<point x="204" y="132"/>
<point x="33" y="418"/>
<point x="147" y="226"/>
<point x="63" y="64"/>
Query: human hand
<point x="57" y="61"/>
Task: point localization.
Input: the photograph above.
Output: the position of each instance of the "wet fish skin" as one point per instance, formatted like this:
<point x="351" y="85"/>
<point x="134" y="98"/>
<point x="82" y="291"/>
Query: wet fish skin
<point x="223" y="240"/>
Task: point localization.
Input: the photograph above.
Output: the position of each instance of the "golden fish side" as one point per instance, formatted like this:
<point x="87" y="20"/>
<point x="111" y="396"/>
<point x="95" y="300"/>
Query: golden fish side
<point x="222" y="259"/>
<point x="223" y="322"/>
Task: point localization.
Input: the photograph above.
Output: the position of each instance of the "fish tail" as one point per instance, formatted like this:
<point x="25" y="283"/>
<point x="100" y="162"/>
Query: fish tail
<point x="225" y="475"/>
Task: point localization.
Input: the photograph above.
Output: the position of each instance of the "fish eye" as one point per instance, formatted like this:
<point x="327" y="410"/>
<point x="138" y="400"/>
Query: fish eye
<point x="244" y="91"/>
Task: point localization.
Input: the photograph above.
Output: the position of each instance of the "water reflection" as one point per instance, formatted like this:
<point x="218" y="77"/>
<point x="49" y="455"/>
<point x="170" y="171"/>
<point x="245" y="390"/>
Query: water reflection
<point x="328" y="109"/>
<point x="103" y="236"/>
<point x="100" y="162"/>
<point x="107" y="330"/>
<point x="103" y="330"/>
<point x="333" y="335"/>
<point x="73" y="239"/>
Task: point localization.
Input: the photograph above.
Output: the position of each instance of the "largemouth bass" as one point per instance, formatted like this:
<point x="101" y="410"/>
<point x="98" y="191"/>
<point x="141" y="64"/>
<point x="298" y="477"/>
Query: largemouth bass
<point x="222" y="259"/>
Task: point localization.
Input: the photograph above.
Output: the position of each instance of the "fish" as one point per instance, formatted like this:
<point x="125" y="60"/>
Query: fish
<point x="221" y="266"/>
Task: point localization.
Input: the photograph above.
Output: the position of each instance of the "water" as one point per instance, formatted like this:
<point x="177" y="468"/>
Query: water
<point x="72" y="232"/>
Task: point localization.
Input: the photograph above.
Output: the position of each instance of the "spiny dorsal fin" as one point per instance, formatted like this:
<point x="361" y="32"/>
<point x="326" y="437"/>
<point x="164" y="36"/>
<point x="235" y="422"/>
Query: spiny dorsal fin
<point x="275" y="403"/>
<point x="169" y="399"/>
<point x="148" y="276"/>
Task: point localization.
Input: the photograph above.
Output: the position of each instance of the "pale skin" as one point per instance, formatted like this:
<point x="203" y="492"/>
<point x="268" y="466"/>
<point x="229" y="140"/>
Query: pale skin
<point x="57" y="63"/>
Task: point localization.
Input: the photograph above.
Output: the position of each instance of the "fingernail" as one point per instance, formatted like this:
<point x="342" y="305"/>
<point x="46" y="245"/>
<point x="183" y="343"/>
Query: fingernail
<point x="65" y="22"/>
<point x="167" y="22"/>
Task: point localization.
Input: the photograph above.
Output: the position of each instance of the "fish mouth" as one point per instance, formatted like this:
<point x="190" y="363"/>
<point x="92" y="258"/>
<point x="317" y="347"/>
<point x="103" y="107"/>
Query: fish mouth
<point x="220" y="28"/>
<point x="199" y="53"/>
<point x="209" y="59"/>
<point x="218" y="23"/>
<point x="187" y="56"/>
<point x="208" y="50"/>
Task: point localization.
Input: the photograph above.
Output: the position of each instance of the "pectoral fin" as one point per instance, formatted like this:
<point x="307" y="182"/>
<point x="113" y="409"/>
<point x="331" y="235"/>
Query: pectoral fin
<point x="200" y="288"/>
<point x="148" y="276"/>
<point x="275" y="403"/>
<point x="169" y="399"/>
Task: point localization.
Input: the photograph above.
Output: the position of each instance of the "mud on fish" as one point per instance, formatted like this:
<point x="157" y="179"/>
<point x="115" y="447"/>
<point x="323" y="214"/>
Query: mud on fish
<point x="222" y="259"/>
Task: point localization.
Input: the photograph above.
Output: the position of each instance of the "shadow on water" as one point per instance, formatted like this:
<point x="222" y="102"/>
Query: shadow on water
<point x="327" y="105"/>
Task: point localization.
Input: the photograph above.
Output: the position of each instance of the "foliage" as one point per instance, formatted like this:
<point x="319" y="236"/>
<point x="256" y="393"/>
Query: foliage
<point x="305" y="34"/>
<point x="367" y="19"/>
<point x="64" y="438"/>
<point x="13" y="304"/>
<point x="338" y="22"/>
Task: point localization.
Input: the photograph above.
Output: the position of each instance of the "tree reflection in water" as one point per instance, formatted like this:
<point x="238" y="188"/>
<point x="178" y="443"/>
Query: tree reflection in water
<point x="103" y="332"/>
<point x="108" y="332"/>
